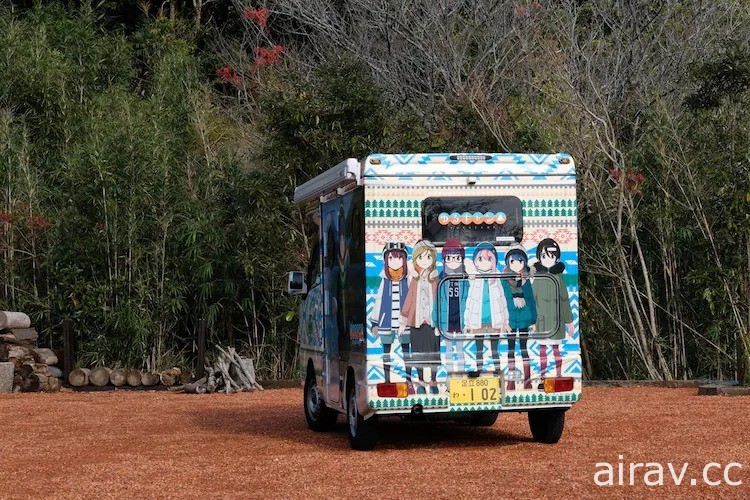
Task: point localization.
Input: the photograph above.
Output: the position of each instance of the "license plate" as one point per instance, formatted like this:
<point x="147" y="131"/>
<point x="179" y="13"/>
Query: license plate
<point x="475" y="390"/>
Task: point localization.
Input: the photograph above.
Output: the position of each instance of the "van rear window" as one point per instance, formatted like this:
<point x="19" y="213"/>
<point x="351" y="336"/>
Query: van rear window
<point x="473" y="219"/>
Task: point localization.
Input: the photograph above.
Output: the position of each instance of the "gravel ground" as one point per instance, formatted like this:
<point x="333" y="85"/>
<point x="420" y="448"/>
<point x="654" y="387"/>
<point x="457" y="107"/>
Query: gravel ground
<point x="256" y="445"/>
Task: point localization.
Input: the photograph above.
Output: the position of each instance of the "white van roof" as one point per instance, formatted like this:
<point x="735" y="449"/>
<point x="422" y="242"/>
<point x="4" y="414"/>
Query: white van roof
<point x="434" y="166"/>
<point x="474" y="164"/>
<point x="346" y="172"/>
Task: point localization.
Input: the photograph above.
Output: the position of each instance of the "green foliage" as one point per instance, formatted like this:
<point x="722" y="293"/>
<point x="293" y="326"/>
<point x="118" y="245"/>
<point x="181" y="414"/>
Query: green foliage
<point x="142" y="191"/>
<point x="127" y="213"/>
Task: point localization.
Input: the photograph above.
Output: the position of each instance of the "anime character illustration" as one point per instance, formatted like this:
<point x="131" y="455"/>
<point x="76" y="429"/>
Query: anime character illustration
<point x="486" y="307"/>
<point x="418" y="310"/>
<point x="390" y="301"/>
<point x="554" y="314"/>
<point x="453" y="294"/>
<point x="519" y="296"/>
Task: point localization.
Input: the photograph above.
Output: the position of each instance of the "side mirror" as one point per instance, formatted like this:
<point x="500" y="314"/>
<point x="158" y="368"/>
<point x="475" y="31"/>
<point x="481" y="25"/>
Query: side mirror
<point x="296" y="284"/>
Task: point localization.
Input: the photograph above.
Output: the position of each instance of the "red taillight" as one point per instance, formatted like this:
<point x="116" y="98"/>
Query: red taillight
<point x="558" y="384"/>
<point x="398" y="390"/>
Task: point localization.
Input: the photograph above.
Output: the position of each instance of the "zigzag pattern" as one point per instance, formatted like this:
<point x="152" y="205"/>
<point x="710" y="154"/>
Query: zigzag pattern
<point x="535" y="164"/>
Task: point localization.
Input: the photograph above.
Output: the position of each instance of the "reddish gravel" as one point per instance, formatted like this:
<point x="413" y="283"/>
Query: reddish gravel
<point x="162" y="445"/>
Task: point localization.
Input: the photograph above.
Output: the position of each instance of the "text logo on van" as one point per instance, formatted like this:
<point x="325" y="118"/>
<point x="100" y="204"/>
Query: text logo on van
<point x="468" y="218"/>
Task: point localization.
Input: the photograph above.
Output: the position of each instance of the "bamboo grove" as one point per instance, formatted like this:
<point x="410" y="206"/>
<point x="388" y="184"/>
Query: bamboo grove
<point x="148" y="154"/>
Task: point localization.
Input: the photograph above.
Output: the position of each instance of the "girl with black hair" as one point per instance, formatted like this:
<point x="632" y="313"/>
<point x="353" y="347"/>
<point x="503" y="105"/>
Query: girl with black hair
<point x="554" y="314"/>
<point x="521" y="310"/>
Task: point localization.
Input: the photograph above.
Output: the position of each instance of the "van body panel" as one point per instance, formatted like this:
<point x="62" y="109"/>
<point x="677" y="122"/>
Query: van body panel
<point x="503" y="330"/>
<point x="395" y="192"/>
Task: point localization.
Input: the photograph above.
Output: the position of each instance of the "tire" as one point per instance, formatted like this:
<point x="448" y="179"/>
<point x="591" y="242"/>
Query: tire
<point x="547" y="425"/>
<point x="363" y="434"/>
<point x="483" y="419"/>
<point x="319" y="417"/>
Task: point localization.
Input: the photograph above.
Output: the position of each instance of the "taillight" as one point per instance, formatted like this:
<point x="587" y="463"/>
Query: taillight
<point x="558" y="384"/>
<point x="397" y="390"/>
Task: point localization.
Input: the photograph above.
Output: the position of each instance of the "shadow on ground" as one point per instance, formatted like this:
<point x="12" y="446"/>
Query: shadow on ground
<point x="288" y="424"/>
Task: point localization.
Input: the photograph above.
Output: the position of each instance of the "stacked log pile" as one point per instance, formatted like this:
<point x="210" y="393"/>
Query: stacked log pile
<point x="122" y="377"/>
<point x="231" y="373"/>
<point x="34" y="369"/>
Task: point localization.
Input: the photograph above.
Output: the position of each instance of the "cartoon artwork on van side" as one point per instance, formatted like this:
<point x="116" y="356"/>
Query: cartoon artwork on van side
<point x="390" y="299"/>
<point x="418" y="312"/>
<point x="519" y="296"/>
<point x="452" y="297"/>
<point x="553" y="303"/>
<point x="486" y="308"/>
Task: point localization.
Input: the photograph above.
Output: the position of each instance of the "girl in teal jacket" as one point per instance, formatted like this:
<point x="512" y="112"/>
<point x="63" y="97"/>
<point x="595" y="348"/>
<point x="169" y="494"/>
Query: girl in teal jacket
<point x="519" y="296"/>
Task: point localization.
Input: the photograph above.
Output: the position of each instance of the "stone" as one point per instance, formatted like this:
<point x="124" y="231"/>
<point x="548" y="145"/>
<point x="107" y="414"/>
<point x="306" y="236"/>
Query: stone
<point x="6" y="378"/>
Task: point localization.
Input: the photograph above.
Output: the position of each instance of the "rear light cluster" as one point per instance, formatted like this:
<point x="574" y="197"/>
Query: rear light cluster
<point x="558" y="384"/>
<point x="397" y="390"/>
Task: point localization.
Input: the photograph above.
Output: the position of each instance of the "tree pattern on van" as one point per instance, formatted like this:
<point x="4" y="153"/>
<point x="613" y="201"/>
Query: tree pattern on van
<point x="522" y="362"/>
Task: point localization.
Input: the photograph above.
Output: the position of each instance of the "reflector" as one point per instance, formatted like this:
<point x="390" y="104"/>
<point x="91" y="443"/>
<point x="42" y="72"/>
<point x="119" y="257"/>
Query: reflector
<point x="390" y="390"/>
<point x="558" y="384"/>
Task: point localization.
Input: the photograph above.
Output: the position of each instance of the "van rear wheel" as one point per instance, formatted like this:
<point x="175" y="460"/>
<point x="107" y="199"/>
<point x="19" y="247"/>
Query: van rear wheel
<point x="319" y="417"/>
<point x="363" y="434"/>
<point x="547" y="425"/>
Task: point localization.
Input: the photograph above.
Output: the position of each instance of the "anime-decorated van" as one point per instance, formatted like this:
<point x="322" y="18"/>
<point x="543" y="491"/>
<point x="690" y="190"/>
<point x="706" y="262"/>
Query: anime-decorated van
<point x="440" y="285"/>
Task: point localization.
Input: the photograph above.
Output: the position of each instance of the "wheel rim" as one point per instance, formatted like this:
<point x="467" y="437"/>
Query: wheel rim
<point x="353" y="414"/>
<point x="314" y="401"/>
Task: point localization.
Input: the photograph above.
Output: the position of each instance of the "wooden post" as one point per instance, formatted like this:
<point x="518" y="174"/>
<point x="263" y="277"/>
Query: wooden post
<point x="201" y="355"/>
<point x="68" y="339"/>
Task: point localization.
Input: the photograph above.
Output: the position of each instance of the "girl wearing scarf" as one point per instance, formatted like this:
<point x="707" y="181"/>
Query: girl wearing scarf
<point x="389" y="302"/>
<point x="418" y="310"/>
<point x="486" y="308"/>
<point x="519" y="296"/>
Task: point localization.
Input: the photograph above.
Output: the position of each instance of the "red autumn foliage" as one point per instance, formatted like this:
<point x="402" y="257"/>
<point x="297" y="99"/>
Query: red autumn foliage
<point x="7" y="217"/>
<point x="268" y="57"/>
<point x="633" y="179"/>
<point x="537" y="6"/>
<point x="228" y="75"/>
<point x="39" y="222"/>
<point x="521" y="9"/>
<point x="258" y="16"/>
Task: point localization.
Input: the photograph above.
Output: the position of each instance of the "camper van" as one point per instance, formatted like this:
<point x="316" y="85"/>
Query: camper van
<point x="440" y="286"/>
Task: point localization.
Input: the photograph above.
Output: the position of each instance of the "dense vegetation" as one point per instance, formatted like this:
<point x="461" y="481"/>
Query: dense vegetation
<point x="148" y="154"/>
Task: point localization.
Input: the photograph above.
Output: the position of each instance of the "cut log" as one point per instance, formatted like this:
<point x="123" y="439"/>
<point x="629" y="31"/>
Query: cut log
<point x="10" y="320"/>
<point x="149" y="379"/>
<point x="79" y="377"/>
<point x="18" y="351"/>
<point x="54" y="372"/>
<point x="43" y="382"/>
<point x="170" y="376"/>
<point x="249" y="369"/>
<point x="45" y="356"/>
<point x="9" y="338"/>
<point x="54" y="384"/>
<point x="6" y="378"/>
<point x="41" y="368"/>
<point x="100" y="376"/>
<point x="134" y="378"/>
<point x="186" y="377"/>
<point x="29" y="334"/>
<point x="25" y="371"/>
<point x="211" y="376"/>
<point x="119" y="377"/>
<point x="30" y="384"/>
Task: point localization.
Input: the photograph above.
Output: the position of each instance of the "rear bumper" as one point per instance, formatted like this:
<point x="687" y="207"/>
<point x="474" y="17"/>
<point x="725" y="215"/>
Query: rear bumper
<point x="521" y="400"/>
